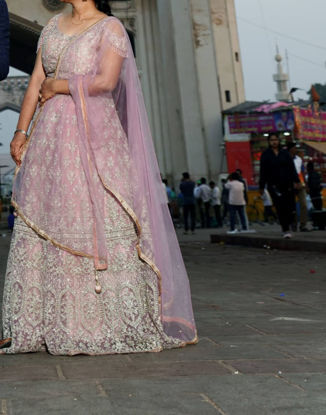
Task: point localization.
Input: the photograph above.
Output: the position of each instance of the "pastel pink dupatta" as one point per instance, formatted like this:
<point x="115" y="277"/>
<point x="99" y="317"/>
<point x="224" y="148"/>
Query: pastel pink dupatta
<point x="137" y="188"/>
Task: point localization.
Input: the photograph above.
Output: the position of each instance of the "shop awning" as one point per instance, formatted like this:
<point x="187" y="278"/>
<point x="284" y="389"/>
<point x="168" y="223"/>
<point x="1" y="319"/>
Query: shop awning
<point x="316" y="145"/>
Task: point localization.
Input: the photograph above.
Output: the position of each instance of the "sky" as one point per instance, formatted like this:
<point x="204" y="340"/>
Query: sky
<point x="296" y="26"/>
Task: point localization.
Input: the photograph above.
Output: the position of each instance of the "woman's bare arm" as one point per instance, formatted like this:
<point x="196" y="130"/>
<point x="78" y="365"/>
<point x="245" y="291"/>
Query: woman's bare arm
<point x="50" y="87"/>
<point x="106" y="80"/>
<point x="28" y="109"/>
<point x="32" y="95"/>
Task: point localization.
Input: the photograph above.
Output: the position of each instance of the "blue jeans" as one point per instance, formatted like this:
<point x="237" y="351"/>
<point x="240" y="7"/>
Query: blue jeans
<point x="233" y="211"/>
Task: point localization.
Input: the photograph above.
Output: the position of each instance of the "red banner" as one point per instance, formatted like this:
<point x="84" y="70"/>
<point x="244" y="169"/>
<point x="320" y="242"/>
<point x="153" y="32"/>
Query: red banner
<point x="238" y="156"/>
<point x="309" y="124"/>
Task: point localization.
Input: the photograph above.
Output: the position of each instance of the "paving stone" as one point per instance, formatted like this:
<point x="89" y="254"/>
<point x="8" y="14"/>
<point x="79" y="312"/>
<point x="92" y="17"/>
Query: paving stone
<point x="186" y="395"/>
<point x="204" y="350"/>
<point x="249" y="350"/>
<point x="106" y="370"/>
<point x="258" y="395"/>
<point x="149" y="398"/>
<point x="21" y="390"/>
<point x="313" y="346"/>
<point x="31" y="373"/>
<point x="225" y="330"/>
<point x="62" y="406"/>
<point x="274" y="366"/>
<point x="312" y="383"/>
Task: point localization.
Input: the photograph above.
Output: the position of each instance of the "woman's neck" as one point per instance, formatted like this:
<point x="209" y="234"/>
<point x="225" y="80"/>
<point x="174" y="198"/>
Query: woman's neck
<point x="83" y="10"/>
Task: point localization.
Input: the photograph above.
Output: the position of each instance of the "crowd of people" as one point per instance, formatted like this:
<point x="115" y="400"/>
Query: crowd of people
<point x="205" y="205"/>
<point x="284" y="179"/>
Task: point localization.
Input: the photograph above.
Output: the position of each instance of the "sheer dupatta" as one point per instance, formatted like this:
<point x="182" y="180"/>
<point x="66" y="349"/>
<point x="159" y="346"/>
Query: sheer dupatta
<point x="137" y="187"/>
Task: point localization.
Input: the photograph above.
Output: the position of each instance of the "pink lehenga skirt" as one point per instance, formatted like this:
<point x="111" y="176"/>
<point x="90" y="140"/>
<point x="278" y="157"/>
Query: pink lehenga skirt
<point x="49" y="297"/>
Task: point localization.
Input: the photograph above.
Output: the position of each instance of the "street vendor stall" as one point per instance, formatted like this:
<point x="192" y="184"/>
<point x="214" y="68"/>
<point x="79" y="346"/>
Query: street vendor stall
<point x="248" y="125"/>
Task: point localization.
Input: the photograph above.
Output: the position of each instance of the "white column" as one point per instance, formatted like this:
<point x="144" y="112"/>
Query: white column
<point x="226" y="41"/>
<point x="235" y="45"/>
<point x="190" y="111"/>
<point x="162" y="114"/>
<point x="209" y="93"/>
<point x="146" y="64"/>
<point x="170" y="92"/>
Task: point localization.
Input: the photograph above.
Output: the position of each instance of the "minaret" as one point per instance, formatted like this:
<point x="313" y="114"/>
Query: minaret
<point x="281" y="78"/>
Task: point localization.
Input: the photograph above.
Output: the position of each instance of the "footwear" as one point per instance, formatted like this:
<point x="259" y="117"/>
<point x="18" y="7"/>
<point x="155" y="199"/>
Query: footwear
<point x="287" y="235"/>
<point x="232" y="232"/>
<point x="5" y="343"/>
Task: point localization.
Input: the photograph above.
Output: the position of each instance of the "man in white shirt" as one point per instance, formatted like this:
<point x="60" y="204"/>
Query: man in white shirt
<point x="216" y="202"/>
<point x="236" y="201"/>
<point x="204" y="193"/>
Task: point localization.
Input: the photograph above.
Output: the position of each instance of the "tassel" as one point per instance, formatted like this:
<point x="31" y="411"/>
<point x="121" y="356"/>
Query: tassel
<point x="98" y="288"/>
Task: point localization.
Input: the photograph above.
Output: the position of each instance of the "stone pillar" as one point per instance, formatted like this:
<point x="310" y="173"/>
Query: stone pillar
<point x="170" y="93"/>
<point x="228" y="55"/>
<point x="145" y="46"/>
<point x="186" y="76"/>
<point x="209" y="93"/>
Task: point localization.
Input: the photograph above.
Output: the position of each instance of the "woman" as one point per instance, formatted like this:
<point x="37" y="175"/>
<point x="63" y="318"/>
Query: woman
<point x="94" y="265"/>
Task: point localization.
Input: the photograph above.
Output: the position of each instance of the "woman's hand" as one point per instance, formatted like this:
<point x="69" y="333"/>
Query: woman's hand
<point x="17" y="146"/>
<point x="47" y="90"/>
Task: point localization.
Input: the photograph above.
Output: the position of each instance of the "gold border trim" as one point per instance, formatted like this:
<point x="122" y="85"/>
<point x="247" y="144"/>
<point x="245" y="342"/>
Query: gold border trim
<point x="138" y="231"/>
<point x="44" y="235"/>
<point x="97" y="261"/>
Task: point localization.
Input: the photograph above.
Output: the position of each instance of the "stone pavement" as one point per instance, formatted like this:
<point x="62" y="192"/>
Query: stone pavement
<point x="262" y="349"/>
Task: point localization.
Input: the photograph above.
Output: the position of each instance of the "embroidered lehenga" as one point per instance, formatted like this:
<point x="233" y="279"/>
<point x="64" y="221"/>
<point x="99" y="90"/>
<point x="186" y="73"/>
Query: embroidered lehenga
<point x="91" y="213"/>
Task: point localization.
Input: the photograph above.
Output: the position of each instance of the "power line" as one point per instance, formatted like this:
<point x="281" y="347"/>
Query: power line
<point x="306" y="60"/>
<point x="302" y="41"/>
